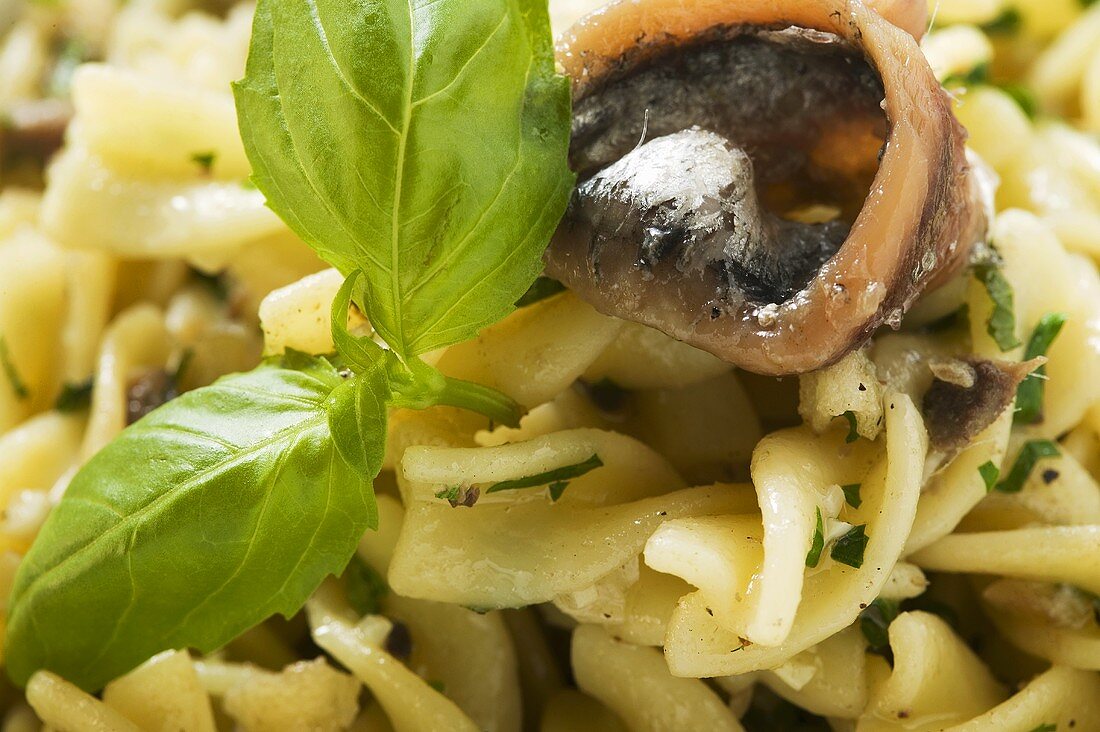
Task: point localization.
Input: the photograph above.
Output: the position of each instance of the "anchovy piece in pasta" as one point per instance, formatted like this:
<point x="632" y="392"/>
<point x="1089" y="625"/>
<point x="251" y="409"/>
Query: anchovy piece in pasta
<point x="775" y="286"/>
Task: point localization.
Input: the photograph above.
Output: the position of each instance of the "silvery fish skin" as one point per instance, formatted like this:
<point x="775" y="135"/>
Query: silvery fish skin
<point x="794" y="103"/>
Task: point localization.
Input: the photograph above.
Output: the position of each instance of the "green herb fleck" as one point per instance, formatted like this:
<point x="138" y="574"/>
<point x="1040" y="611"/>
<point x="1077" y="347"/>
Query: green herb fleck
<point x="557" y="488"/>
<point x="14" y="379"/>
<point x="437" y="685"/>
<point x="205" y="161"/>
<point x="875" y="621"/>
<point x="817" y="543"/>
<point x="1032" y="452"/>
<point x="853" y="426"/>
<point x="459" y="495"/>
<point x="75" y="396"/>
<point x="989" y="473"/>
<point x="556" y="475"/>
<point x="365" y="587"/>
<point x="540" y="289"/>
<point x="1029" y="395"/>
<point x="849" y="548"/>
<point x="851" y="494"/>
<point x="976" y="76"/>
<point x="1046" y="727"/>
<point x="1008" y="22"/>
<point x="1002" y="321"/>
<point x="1024" y="96"/>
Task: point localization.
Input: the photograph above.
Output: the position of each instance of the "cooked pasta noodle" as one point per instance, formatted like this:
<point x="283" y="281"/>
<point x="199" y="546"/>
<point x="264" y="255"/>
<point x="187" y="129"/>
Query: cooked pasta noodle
<point x="663" y="541"/>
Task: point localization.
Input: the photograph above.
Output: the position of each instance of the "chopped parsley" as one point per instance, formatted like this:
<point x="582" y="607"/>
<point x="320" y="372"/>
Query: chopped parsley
<point x="540" y="289"/>
<point x="1024" y="96"/>
<point x="557" y="475"/>
<point x="1032" y="452"/>
<point x="364" y="587"/>
<point x="974" y="77"/>
<point x="14" y="379"/>
<point x="817" y="543"/>
<point x="853" y="426"/>
<point x="849" y="548"/>
<point x="205" y="160"/>
<point x="851" y="494"/>
<point x="557" y="488"/>
<point x="1029" y="395"/>
<point x="1001" y="325"/>
<point x="989" y="473"/>
<point x="1008" y="22"/>
<point x="75" y="396"/>
<point x="875" y="621"/>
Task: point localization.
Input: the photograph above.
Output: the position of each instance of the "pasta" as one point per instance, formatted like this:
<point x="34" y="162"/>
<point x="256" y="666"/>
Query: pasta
<point x="661" y="541"/>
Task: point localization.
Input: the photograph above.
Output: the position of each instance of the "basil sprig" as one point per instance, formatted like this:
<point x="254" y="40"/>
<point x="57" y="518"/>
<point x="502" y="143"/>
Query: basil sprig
<point x="422" y="150"/>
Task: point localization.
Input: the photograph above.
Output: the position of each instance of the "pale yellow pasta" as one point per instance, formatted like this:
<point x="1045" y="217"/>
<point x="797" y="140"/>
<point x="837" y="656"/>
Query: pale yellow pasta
<point x="936" y="680"/>
<point x="708" y="430"/>
<point x="956" y="50"/>
<point x="164" y="693"/>
<point x="89" y="292"/>
<point x="32" y="307"/>
<point x="573" y="711"/>
<point x="23" y="58"/>
<point x="88" y="205"/>
<point x="537" y="352"/>
<point x="954" y="489"/>
<point x="138" y="126"/>
<point x="1046" y="280"/>
<point x="1056" y="74"/>
<point x="635" y="683"/>
<point x="410" y="703"/>
<point x="470" y="654"/>
<point x="137" y="340"/>
<point x="308" y="695"/>
<point x="65" y="708"/>
<point x="297" y="316"/>
<point x="680" y="562"/>
<point x="1058" y="491"/>
<point x="696" y="645"/>
<point x="999" y="130"/>
<point x="850" y="385"/>
<point x="1063" y="697"/>
<point x="644" y="358"/>
<point x="827" y="679"/>
<point x="1048" y="553"/>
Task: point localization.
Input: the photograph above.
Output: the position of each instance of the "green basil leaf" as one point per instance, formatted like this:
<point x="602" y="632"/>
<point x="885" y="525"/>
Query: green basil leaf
<point x="849" y="548"/>
<point x="539" y="290"/>
<point x="223" y="507"/>
<point x="424" y="144"/>
<point x="817" y="543"/>
<point x="1029" y="394"/>
<point x="1031" y="453"/>
<point x="357" y="421"/>
<point x="361" y="354"/>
